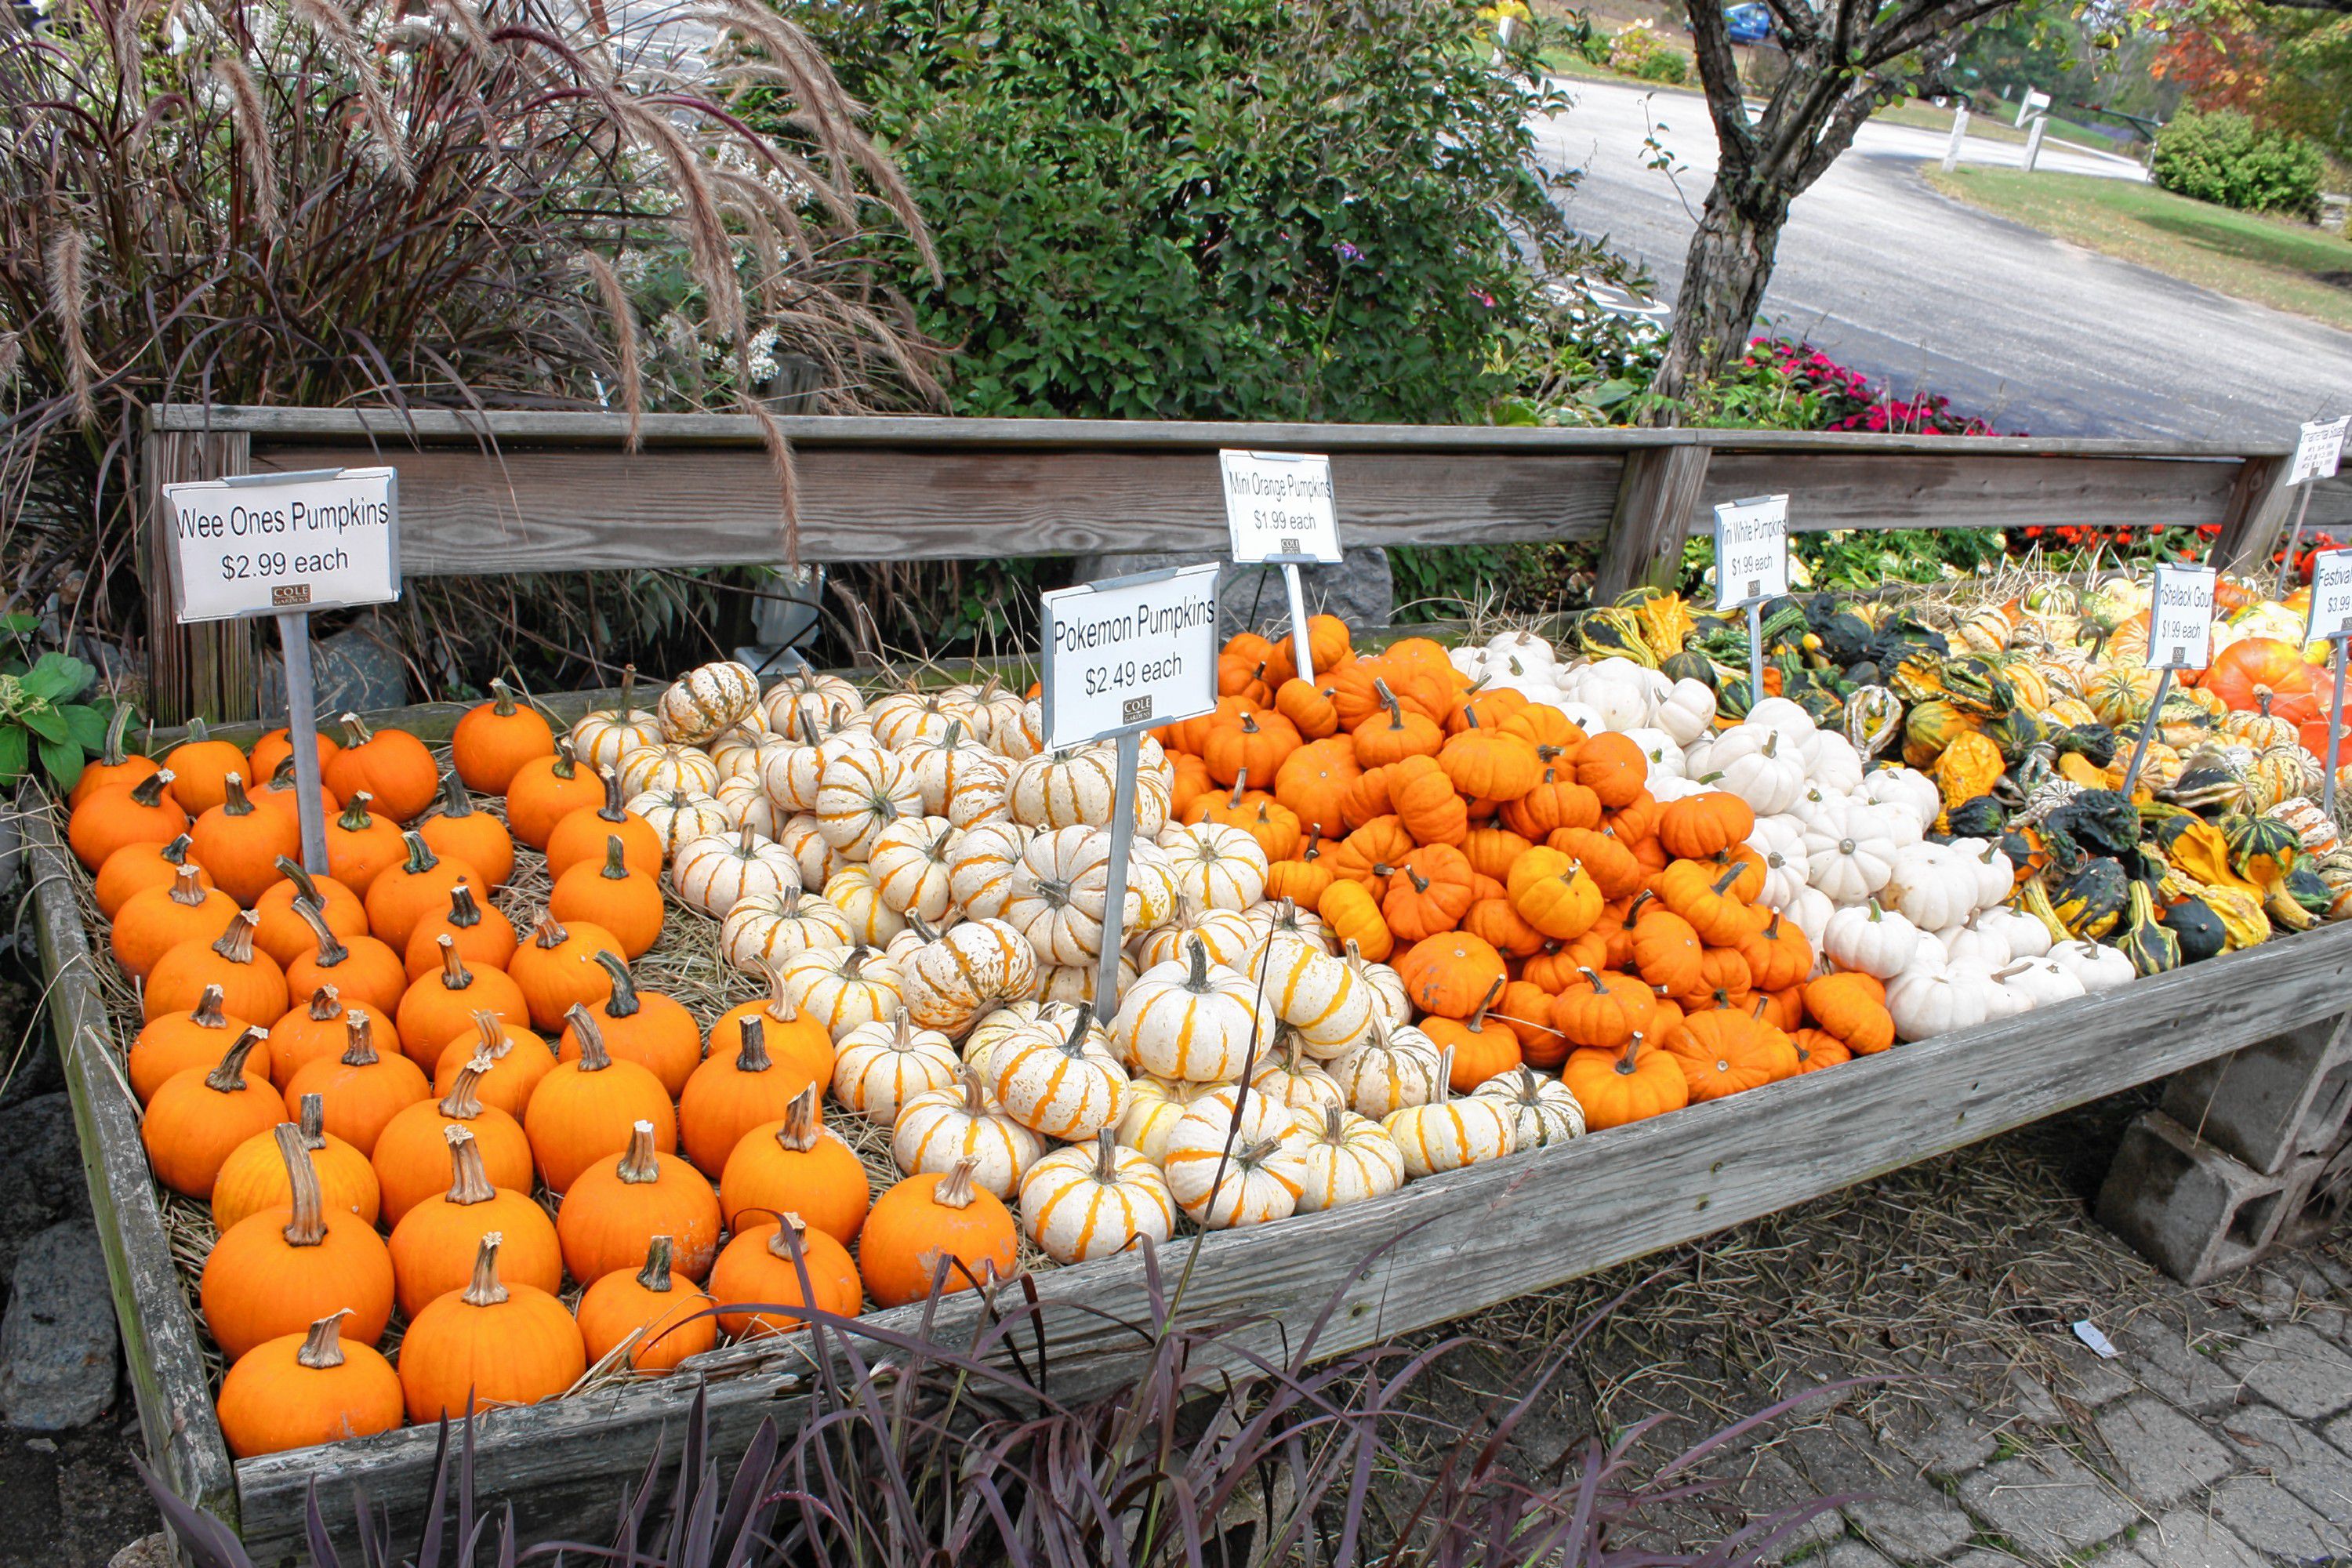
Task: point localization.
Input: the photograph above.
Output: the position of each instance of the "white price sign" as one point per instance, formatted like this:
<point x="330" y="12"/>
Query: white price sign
<point x="2180" y="619"/>
<point x="2317" y="449"/>
<point x="271" y="544"/>
<point x="1130" y="653"/>
<point x="1751" y="550"/>
<point x="1278" y="506"/>
<point x="2331" y="596"/>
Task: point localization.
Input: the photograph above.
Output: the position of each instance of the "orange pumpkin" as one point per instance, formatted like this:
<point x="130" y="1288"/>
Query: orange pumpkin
<point x="2266" y="675"/>
<point x="1527" y="1008"/>
<point x="1353" y="915"/>
<point x="1615" y="869"/>
<point x="1449" y="975"/>
<point x="362" y="846"/>
<point x="1395" y="733"/>
<point x="143" y="812"/>
<point x="495" y="739"/>
<point x="1426" y="803"/>
<point x="1482" y="1047"/>
<point x="1602" y="1012"/>
<point x="1852" y="1008"/>
<point x="1629" y="1084"/>
<point x="200" y="768"/>
<point x="1428" y="893"/>
<point x="392" y="766"/>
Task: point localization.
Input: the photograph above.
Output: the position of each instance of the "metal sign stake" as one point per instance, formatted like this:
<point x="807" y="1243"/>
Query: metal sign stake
<point x="1122" y="828"/>
<point x="2294" y="539"/>
<point x="2147" y="729"/>
<point x="1755" y="652"/>
<point x="1297" y="593"/>
<point x="302" y="735"/>
<point x="2335" y="738"/>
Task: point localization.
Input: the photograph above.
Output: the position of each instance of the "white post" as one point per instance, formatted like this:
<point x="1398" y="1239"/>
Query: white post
<point x="1298" y="596"/>
<point x="1130" y="745"/>
<point x="2033" y="139"/>
<point x="1960" y="133"/>
<point x="2335" y="738"/>
<point x="302" y="735"/>
<point x="2147" y="729"/>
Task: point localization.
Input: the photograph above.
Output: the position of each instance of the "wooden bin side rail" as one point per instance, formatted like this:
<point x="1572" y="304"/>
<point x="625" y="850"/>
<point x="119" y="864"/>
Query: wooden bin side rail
<point x="546" y="492"/>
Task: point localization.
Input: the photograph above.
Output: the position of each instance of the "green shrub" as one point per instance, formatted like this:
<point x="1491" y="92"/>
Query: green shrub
<point x="1249" y="209"/>
<point x="2225" y="157"/>
<point x="1637" y="50"/>
<point x="1663" y="66"/>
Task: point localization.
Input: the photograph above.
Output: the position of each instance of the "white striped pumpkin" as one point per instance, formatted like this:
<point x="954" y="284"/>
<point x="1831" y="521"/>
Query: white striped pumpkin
<point x="853" y="890"/>
<point x="1447" y="1132"/>
<point x="1095" y="1199"/>
<point x="740" y="751"/>
<point x="818" y="860"/>
<point x="1017" y="727"/>
<point x="792" y="772"/>
<point x="1072" y="983"/>
<point x="909" y="860"/>
<point x="1192" y="1020"/>
<point x="718" y="871"/>
<point x="1544" y="1111"/>
<point x="1154" y="1106"/>
<point x="843" y="988"/>
<point x="1061" y="891"/>
<point x="708" y="699"/>
<point x="878" y="1067"/>
<point x="745" y="801"/>
<point x="1314" y="993"/>
<point x="905" y="719"/>
<point x="1349" y="1158"/>
<point x="1058" y="1079"/>
<point x="1290" y="1076"/>
<point x="668" y="767"/>
<point x="768" y="928"/>
<point x="949" y="981"/>
<point x="1217" y="866"/>
<point x="1066" y="789"/>
<point x="678" y="817"/>
<point x="1383" y="985"/>
<point x="1397" y="1067"/>
<point x="604" y="736"/>
<point x="1235" y="1158"/>
<point x="800" y="704"/>
<point x="940" y="1126"/>
<point x="982" y="865"/>
<point x="953" y="770"/>
<point x="1227" y="933"/>
<point x="864" y="790"/>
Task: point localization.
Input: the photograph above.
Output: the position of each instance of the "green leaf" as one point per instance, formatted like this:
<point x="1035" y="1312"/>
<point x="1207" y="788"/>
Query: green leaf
<point x="48" y="723"/>
<point x="62" y="761"/>
<point x="57" y="676"/>
<point x="12" y="754"/>
<point x="86" y="725"/>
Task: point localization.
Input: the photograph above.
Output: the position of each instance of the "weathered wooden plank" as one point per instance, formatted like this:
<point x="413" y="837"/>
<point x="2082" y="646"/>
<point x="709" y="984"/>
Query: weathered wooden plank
<point x="211" y="670"/>
<point x="1960" y="486"/>
<point x="811" y="432"/>
<point x="160" y="1339"/>
<point x="2260" y="504"/>
<point x="1656" y="494"/>
<point x="542" y="510"/>
<point x="1638" y="1189"/>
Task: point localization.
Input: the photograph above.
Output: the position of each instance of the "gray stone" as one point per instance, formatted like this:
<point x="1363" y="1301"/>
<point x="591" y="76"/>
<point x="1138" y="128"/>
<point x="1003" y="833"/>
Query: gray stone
<point x="2093" y="1380"/>
<point x="2276" y="1099"/>
<point x="2187" y="1539"/>
<point x="2164" y="1456"/>
<point x="2034" y="1405"/>
<point x="2187" y="1206"/>
<point x="1773" y="1486"/>
<point x="1900" y="1513"/>
<point x="2267" y="1519"/>
<point x="2339" y="1432"/>
<point x="2165" y="1364"/>
<point x="1851" y="1554"/>
<point x="357" y="671"/>
<point x="1982" y="1557"/>
<point x="2048" y="1503"/>
<point x="46" y="1185"/>
<point x="2296" y="1370"/>
<point x="58" y="1341"/>
<point x="2315" y="1471"/>
<point x="1360" y="590"/>
<point x="1912" y="1532"/>
<point x="1949" y="1442"/>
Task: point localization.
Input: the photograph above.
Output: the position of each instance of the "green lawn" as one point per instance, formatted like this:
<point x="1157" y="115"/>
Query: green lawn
<point x="2277" y="262"/>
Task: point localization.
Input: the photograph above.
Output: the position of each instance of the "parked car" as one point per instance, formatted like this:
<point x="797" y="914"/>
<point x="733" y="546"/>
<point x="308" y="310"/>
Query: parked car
<point x="1750" y="22"/>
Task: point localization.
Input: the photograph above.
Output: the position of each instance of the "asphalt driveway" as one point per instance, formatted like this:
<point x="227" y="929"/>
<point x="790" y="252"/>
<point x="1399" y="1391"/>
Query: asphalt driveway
<point x="1883" y="274"/>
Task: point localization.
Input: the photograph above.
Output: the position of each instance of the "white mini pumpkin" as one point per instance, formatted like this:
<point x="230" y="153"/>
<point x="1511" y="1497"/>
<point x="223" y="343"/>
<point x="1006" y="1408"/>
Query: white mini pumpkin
<point x="853" y="890"/>
<point x="1217" y="865"/>
<point x="1349" y="1158"/>
<point x="982" y="865"/>
<point x="941" y="1126"/>
<point x="1313" y="992"/>
<point x="1930" y="999"/>
<point x="768" y="928"/>
<point x="1877" y="941"/>
<point x="905" y="719"/>
<point x="1544" y="1111"/>
<point x="1447" y="1131"/>
<point x="717" y="871"/>
<point x="1228" y="935"/>
<point x="878" y="1068"/>
<point x="1382" y="983"/>
<point x="1061" y="1082"/>
<point x="1095" y="1199"/>
<point x="843" y="988"/>
<point x="679" y="816"/>
<point x="1066" y="789"/>
<point x="1237" y="1158"/>
<point x="862" y="792"/>
<point x="909" y="860"/>
<point x="949" y="981"/>
<point x="1154" y="1106"/>
<point x="708" y="699"/>
<point x="2097" y="966"/>
<point x="1395" y="1067"/>
<point x="1192" y="1020"/>
<point x="817" y="859"/>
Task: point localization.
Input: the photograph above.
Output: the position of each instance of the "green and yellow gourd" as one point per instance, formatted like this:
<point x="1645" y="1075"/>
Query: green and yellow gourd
<point x="2090" y="900"/>
<point x="2139" y="936"/>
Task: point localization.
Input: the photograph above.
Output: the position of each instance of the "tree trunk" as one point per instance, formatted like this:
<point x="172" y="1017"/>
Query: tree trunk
<point x="1724" y="275"/>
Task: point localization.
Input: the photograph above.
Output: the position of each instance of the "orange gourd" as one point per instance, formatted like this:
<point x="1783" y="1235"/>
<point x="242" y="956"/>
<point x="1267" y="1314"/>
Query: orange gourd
<point x="493" y="739"/>
<point x="1704" y="894"/>
<point x="1779" y="956"/>
<point x="1704" y="826"/>
<point x="556" y="967"/>
<point x="1493" y="922"/>
<point x="1480" y="1048"/>
<point x="138" y="812"/>
<point x="319" y="1027"/>
<point x="518" y="1061"/>
<point x="284" y="934"/>
<point x="582" y="1110"/>
<point x="1353" y="915"/>
<point x="646" y="1028"/>
<point x="362" y="846"/>
<point x="796" y="1164"/>
<point x="734" y="1092"/>
<point x="490" y="1344"/>
<point x="442" y="1005"/>
<point x="1723" y="1051"/>
<point x="284" y="1266"/>
<point x="405" y="896"/>
<point x="2266" y="675"/>
<point x="1489" y="764"/>
<point x="1366" y="799"/>
<point x="412" y="1156"/>
<point x="792" y="1038"/>
<point x="1602" y="1012"/>
<point x="1313" y="783"/>
<point x="200" y="768"/>
<point x="1554" y="894"/>
<point x="1428" y="892"/>
<point x="1493" y="851"/>
<point x="241" y="843"/>
<point x="1303" y="880"/>
<point x="136" y="868"/>
<point x="581" y="835"/>
<point x="1257" y="740"/>
<point x="625" y="901"/>
<point x="276" y="748"/>
<point x="1664" y="950"/>
<point x="154" y="923"/>
<point x="300" y="1390"/>
<point x="939" y="1228"/>
<point x="1526" y="1008"/>
<point x="779" y="1266"/>
<point x="481" y="934"/>
<point x="1818" y="1049"/>
<point x="1555" y="736"/>
<point x="1852" y="1008"/>
<point x="115" y="766"/>
<point x="1308" y="706"/>
<point x="615" y="1206"/>
<point x="359" y="967"/>
<point x="1626" y="1085"/>
<point x="176" y="1042"/>
<point x="254" y="1177"/>
<point x="279" y="793"/>
<point x="252" y="985"/>
<point x="661" y="1321"/>
<point x="1396" y="732"/>
<point x="363" y="1089"/>
<point x="433" y="1244"/>
<point x="198" y="1116"/>
<point x="1555" y="802"/>
<point x="460" y="831"/>
<point x="1613" y="867"/>
<point x="545" y="790"/>
<point x="1427" y="804"/>
<point x="1613" y="768"/>
<point x="1449" y="975"/>
<point x="392" y="766"/>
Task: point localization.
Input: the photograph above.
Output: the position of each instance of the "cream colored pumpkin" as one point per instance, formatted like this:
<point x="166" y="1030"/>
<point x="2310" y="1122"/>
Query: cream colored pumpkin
<point x="1074" y="983"/>
<point x="1061" y="891"/>
<point x="1313" y="992"/>
<point x="981" y="865"/>
<point x="1061" y="1082"/>
<point x="1154" y="1106"/>
<point x="878" y="1067"/>
<point x="955" y="770"/>
<point x="1095" y="1199"/>
<point x="1544" y="1111"/>
<point x="864" y="791"/>
<point x="1382" y="983"/>
<point x="1235" y="1158"/>
<point x="603" y="738"/>
<point x="905" y="719"/>
<point x="940" y="1126"/>
<point x="742" y="751"/>
<point x="717" y="871"/>
<point x="951" y="981"/>
<point x="1192" y="1020"/>
<point x="1447" y="1132"/>
<point x="803" y="703"/>
<point x="1349" y="1158"/>
<point x="1064" y="789"/>
<point x="708" y="699"/>
<point x="654" y="769"/>
<point x="1018" y="733"/>
<point x="1269" y="919"/>
<point x="1217" y="866"/>
<point x="769" y="928"/>
<point x="817" y="859"/>
<point x="792" y="772"/>
<point x="910" y="858"/>
<point x="745" y="801"/>
<point x="1000" y="1020"/>
<point x="1397" y="1067"/>
<point x="679" y="816"/>
<point x="1294" y="1077"/>
<point x="994" y="708"/>
<point x="854" y="892"/>
<point x="843" y="988"/>
<point x="1227" y="933"/>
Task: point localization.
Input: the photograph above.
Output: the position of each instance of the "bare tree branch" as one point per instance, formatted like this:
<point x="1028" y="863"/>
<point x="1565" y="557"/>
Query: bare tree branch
<point x="1719" y="70"/>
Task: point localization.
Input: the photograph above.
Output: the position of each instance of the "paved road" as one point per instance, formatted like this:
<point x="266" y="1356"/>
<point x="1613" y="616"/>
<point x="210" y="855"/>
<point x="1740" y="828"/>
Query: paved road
<point x="1885" y="275"/>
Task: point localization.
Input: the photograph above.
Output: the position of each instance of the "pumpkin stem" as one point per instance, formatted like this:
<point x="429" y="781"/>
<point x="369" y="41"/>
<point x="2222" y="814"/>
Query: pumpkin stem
<point x="786" y="1243"/>
<point x="594" y="1057"/>
<point x="567" y="761"/>
<point x="306" y="1226"/>
<point x="228" y="1078"/>
<point x="421" y="858"/>
<point x="149" y="791"/>
<point x="617" y="860"/>
<point x="360" y="1032"/>
<point x="1335" y="1126"/>
<point x="311" y="1119"/>
<point x="1241" y="784"/>
<point x="548" y="932"/>
<point x="464" y="912"/>
<point x="955" y="1189"/>
<point x="234" y="802"/>
<point x="1197" y="981"/>
<point x="654" y="1275"/>
<point x="614" y="809"/>
<point x="1625" y="1062"/>
<point x="975" y="1093"/>
<point x="175" y="853"/>
<point x="640" y="1163"/>
<point x="781" y="1005"/>
<point x="1444" y="1074"/>
<point x="332" y="952"/>
<point x="492" y="1031"/>
<point x="628" y="691"/>
<point x="113" y="755"/>
<point x="326" y="1003"/>
<point x="1723" y="883"/>
<point x="504" y="705"/>
<point x="622" y="1003"/>
<point x="281" y="777"/>
<point x="1478" y="1018"/>
<point x="1420" y="882"/>
<point x="355" y="731"/>
<point x="188" y="887"/>
<point x="802" y="1125"/>
<point x="1389" y="700"/>
<point x="470" y="1181"/>
<point x="236" y="945"/>
<point x="1771" y="931"/>
<point x="325" y="1347"/>
<point x="355" y="818"/>
<point x="1265" y="1149"/>
<point x="464" y="1102"/>
<point x="752" y="1055"/>
<point x="304" y="887"/>
<point x="920" y="927"/>
<point x="455" y="976"/>
<point x="484" y="1290"/>
<point x="1634" y="909"/>
<point x="207" y="1014"/>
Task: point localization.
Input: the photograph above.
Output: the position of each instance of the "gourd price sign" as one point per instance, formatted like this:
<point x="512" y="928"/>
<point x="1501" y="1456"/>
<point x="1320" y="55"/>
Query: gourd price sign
<point x="283" y="546"/>
<point x="1752" y="565"/>
<point x="2331" y="621"/>
<point x="2318" y="448"/>
<point x="1122" y="657"/>
<point x="2180" y="619"/>
<point x="1279" y="509"/>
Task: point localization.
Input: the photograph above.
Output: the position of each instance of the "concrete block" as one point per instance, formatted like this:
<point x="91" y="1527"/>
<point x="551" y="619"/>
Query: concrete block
<point x="2168" y="1365"/>
<point x="2047" y="1504"/>
<point x="2187" y="1539"/>
<point x="2316" y="1472"/>
<point x="2276" y="1099"/>
<point x="2294" y="1368"/>
<point x="2318" y="1202"/>
<point x="2164" y="1456"/>
<point x="2185" y="1206"/>
<point x="2262" y="1514"/>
